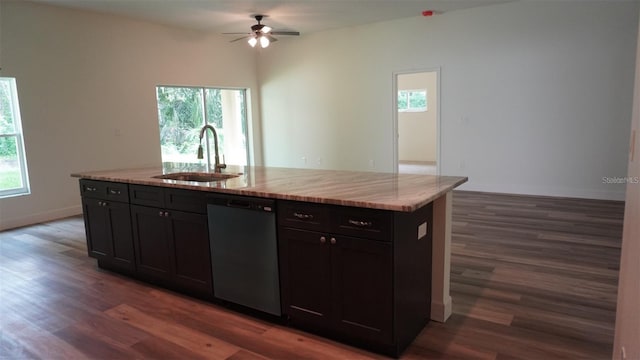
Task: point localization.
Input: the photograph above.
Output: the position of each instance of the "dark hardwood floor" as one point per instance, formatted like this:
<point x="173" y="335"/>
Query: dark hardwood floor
<point x="531" y="278"/>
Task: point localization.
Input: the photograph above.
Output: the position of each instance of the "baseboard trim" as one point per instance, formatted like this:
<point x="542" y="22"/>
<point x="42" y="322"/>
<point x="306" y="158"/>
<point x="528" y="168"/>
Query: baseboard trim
<point x="441" y="312"/>
<point x="6" y="224"/>
<point x="617" y="194"/>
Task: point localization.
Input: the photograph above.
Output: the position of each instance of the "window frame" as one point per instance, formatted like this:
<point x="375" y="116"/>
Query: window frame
<point x="407" y="93"/>
<point x="18" y="135"/>
<point x="207" y="141"/>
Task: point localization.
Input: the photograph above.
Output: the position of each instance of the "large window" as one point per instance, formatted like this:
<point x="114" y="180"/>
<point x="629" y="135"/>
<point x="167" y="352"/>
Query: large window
<point x="14" y="179"/>
<point x="183" y="111"/>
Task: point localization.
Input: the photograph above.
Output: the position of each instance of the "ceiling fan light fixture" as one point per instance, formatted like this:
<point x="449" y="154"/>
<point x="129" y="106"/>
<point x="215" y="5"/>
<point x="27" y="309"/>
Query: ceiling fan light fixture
<point x="264" y="41"/>
<point x="260" y="33"/>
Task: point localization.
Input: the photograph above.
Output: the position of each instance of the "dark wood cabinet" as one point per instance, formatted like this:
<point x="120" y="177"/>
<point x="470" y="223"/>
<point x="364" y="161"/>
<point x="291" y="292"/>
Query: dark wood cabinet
<point x="108" y="224"/>
<point x="359" y="275"/>
<point x="305" y="277"/>
<point x="153" y="244"/>
<point x="362" y="288"/>
<point x="345" y="281"/>
<point x="337" y="283"/>
<point x="172" y="246"/>
<point x="191" y="254"/>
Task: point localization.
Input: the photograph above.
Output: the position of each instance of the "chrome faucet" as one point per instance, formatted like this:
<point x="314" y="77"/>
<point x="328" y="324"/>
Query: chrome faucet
<point x="218" y="166"/>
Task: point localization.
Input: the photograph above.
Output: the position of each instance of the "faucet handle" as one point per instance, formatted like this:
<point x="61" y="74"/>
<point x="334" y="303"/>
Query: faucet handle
<point x="222" y="165"/>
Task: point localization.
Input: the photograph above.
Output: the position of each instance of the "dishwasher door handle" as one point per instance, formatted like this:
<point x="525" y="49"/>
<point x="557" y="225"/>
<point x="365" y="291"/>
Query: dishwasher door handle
<point x="239" y="204"/>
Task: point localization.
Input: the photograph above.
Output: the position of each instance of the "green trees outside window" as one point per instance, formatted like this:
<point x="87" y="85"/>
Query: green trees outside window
<point x="412" y="100"/>
<point x="13" y="165"/>
<point x="183" y="111"/>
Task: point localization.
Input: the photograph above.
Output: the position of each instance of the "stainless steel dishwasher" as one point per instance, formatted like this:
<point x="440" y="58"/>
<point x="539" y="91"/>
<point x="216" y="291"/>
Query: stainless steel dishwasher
<point x="244" y="251"/>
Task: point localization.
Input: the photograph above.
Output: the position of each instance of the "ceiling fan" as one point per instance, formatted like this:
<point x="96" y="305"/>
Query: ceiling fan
<point x="261" y="33"/>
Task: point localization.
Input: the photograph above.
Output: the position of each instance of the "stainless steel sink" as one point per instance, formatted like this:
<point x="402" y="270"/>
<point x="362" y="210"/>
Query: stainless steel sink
<point x="199" y="177"/>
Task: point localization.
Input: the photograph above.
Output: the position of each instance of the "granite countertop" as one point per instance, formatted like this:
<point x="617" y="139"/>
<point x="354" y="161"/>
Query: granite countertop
<point x="387" y="191"/>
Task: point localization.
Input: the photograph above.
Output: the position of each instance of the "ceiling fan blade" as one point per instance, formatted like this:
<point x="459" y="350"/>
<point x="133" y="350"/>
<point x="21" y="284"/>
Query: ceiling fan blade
<point x="294" y="33"/>
<point x="241" y="38"/>
<point x="237" y="33"/>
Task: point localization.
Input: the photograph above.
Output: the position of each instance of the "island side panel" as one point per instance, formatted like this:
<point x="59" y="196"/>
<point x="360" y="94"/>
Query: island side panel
<point x="412" y="273"/>
<point x="441" y="306"/>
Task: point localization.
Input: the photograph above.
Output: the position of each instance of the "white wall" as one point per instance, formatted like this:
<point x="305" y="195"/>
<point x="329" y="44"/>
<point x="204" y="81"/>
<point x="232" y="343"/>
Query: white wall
<point x="536" y="96"/>
<point x="417" y="130"/>
<point x="627" y="315"/>
<point x="86" y="84"/>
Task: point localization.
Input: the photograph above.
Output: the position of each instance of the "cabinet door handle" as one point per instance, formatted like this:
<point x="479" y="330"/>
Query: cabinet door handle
<point x="161" y="213"/>
<point x="323" y="239"/>
<point x="360" y="223"/>
<point x="104" y="203"/>
<point x="166" y="214"/>
<point x="302" y="216"/>
<point x="99" y="203"/>
<point x="114" y="192"/>
<point x="333" y="241"/>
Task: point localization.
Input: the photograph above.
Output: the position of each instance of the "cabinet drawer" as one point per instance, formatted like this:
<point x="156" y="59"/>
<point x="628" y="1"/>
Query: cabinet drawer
<point x="363" y="223"/>
<point x="167" y="198"/>
<point x="147" y="195"/>
<point x="303" y="215"/>
<point x="104" y="190"/>
<point x="186" y="200"/>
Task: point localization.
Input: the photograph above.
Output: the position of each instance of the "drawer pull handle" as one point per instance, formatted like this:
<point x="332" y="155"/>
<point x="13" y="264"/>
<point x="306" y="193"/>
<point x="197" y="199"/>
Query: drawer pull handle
<point x="323" y="239"/>
<point x="114" y="192"/>
<point x="302" y="216"/>
<point x="333" y="241"/>
<point x="89" y="188"/>
<point x="359" y="223"/>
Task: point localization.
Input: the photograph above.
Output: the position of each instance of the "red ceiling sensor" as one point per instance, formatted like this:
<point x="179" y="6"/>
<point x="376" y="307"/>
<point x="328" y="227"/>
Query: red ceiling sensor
<point x="427" y="13"/>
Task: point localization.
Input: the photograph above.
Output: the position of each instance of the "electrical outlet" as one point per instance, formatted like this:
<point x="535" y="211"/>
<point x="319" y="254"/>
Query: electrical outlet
<point x="462" y="165"/>
<point x="372" y="164"/>
<point x="422" y="230"/>
<point x="304" y="160"/>
<point x="319" y="161"/>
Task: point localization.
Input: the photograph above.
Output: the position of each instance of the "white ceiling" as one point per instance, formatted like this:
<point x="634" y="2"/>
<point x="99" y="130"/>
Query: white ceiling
<point x="305" y="16"/>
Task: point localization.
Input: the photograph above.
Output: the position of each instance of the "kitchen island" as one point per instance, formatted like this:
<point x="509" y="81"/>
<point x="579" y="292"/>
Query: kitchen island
<point x="343" y="238"/>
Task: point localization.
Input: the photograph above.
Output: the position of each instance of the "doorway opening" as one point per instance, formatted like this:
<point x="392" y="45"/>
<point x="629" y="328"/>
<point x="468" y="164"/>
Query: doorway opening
<point x="417" y="121"/>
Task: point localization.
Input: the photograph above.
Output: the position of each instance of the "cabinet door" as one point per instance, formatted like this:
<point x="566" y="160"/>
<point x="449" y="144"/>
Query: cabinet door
<point x="191" y="254"/>
<point x="362" y="288"/>
<point x="97" y="227"/>
<point x="152" y="241"/>
<point x="108" y="229"/>
<point x="121" y="235"/>
<point x="305" y="277"/>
